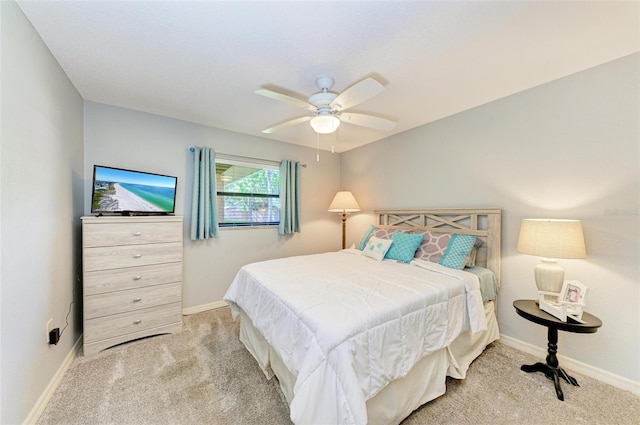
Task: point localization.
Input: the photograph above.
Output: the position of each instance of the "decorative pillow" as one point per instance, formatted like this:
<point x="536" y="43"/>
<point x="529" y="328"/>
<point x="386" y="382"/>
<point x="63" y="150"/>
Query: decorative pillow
<point x="376" y="248"/>
<point x="404" y="246"/>
<point x="381" y="233"/>
<point x="385" y="233"/>
<point x="457" y="251"/>
<point x="471" y="258"/>
<point x="364" y="240"/>
<point x="433" y="245"/>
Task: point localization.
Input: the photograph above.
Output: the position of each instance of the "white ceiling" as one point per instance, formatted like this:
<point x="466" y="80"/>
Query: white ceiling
<point x="201" y="61"/>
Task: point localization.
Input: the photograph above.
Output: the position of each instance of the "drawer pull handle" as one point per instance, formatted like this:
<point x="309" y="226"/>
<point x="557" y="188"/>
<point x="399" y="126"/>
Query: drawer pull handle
<point x="137" y="300"/>
<point x="137" y="233"/>
<point x="137" y="322"/>
<point x="137" y="255"/>
<point x="137" y="277"/>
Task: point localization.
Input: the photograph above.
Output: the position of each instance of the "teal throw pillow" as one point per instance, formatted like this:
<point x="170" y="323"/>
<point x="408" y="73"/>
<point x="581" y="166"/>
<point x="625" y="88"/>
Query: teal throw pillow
<point x="457" y="251"/>
<point x="364" y="240"/>
<point x="404" y="246"/>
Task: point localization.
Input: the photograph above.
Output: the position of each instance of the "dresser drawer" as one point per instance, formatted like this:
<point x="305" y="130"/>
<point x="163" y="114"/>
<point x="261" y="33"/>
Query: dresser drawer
<point x="96" y="347"/>
<point x="115" y="257"/>
<point x="100" y="281"/>
<point x="127" y="323"/>
<point x="114" y="234"/>
<point x="132" y="299"/>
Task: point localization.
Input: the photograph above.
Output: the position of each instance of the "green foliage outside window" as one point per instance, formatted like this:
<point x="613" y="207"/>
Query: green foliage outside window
<point x="247" y="196"/>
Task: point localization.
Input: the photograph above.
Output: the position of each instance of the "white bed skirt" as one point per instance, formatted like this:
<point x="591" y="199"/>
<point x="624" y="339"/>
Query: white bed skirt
<point x="425" y="382"/>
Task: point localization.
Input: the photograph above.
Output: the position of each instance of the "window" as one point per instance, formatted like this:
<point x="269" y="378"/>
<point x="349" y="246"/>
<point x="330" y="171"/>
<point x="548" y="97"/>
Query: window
<point x="248" y="193"/>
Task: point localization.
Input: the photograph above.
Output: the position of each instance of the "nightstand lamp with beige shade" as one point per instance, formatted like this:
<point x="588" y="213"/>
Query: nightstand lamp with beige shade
<point x="344" y="202"/>
<point x="551" y="239"/>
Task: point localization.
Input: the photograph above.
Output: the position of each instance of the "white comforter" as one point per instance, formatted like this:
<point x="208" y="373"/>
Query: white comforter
<point x="347" y="325"/>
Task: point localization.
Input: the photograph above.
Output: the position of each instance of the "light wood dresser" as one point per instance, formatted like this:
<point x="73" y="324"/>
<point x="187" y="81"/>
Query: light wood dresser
<point x="132" y="278"/>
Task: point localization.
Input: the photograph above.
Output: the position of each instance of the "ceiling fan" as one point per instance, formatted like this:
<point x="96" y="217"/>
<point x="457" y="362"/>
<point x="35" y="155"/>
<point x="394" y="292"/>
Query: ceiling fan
<point x="327" y="108"/>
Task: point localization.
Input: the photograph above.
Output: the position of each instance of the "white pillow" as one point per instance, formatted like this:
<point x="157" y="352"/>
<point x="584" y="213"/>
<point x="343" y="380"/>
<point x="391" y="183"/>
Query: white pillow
<point x="376" y="248"/>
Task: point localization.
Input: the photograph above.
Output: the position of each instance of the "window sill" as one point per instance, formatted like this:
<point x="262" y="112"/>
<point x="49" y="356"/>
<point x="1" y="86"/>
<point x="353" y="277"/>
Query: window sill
<point x="227" y="228"/>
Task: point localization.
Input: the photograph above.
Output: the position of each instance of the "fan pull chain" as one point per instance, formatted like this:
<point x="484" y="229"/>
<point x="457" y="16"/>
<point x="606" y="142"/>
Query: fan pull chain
<point x="335" y="140"/>
<point x="317" y="147"/>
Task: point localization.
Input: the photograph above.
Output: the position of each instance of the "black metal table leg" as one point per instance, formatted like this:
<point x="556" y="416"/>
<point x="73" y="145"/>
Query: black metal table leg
<point x="551" y="369"/>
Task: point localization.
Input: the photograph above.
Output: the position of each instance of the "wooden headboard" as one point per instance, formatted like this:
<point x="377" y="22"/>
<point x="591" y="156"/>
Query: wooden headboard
<point x="485" y="223"/>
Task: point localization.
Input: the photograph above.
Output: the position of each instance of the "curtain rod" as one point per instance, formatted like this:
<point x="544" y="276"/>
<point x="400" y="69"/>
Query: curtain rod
<point x="222" y="155"/>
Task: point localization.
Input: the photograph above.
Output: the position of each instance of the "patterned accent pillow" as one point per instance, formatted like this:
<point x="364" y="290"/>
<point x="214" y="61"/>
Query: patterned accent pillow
<point x="471" y="258"/>
<point x="404" y="246"/>
<point x="380" y="233"/>
<point x="385" y="233"/>
<point x="458" y="251"/>
<point x="376" y="248"/>
<point x="433" y="245"/>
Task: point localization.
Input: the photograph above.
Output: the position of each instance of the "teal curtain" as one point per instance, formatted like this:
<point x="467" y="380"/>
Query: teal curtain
<point x="204" y="208"/>
<point x="289" y="197"/>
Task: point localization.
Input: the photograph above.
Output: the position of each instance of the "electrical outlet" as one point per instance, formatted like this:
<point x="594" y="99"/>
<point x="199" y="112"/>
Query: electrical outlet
<point x="49" y="328"/>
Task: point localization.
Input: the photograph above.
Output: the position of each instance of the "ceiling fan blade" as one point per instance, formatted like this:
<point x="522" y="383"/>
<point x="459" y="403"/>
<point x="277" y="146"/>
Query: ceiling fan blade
<point x="286" y="124"/>
<point x="286" y="98"/>
<point x="356" y="94"/>
<point x="368" y="121"/>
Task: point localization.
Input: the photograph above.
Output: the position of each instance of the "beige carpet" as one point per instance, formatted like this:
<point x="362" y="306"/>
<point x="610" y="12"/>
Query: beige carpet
<point x="205" y="376"/>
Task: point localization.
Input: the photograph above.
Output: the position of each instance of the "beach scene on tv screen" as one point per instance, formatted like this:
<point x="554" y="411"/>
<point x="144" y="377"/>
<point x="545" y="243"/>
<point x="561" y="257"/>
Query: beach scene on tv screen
<point x="121" y="190"/>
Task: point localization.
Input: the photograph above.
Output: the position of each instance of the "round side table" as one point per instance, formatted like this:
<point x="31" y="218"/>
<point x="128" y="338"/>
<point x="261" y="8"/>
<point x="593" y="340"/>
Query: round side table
<point x="530" y="310"/>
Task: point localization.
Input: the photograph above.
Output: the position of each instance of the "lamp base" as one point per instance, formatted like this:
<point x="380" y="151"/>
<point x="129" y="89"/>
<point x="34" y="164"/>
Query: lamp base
<point x="344" y="229"/>
<point x="549" y="278"/>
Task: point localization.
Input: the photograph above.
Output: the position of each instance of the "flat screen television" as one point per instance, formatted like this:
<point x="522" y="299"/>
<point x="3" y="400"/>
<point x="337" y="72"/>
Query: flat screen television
<point x="128" y="192"/>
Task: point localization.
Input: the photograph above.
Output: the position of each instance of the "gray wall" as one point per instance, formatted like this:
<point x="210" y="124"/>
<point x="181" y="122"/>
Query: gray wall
<point x="135" y="140"/>
<point x="567" y="149"/>
<point x="41" y="183"/>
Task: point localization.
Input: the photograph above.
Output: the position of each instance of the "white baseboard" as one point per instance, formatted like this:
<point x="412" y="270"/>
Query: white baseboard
<point x="203" y="307"/>
<point x="42" y="402"/>
<point x="575" y="365"/>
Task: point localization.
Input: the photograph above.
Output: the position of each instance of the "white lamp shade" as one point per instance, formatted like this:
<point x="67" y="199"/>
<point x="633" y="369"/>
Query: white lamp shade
<point x="344" y="201"/>
<point x="552" y="238"/>
<point x="325" y="124"/>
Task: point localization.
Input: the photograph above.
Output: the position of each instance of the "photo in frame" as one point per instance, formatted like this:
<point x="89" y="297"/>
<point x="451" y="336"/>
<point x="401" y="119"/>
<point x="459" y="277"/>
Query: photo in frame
<point x="573" y="292"/>
<point x="570" y="301"/>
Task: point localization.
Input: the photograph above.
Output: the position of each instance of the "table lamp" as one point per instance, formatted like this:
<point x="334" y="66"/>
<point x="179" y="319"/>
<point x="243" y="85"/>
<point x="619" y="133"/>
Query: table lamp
<point x="344" y="202"/>
<point x="551" y="239"/>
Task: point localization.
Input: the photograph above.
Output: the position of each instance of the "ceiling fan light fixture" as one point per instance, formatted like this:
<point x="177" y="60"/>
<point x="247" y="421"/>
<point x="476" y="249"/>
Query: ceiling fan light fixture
<point x="328" y="109"/>
<point x="325" y="124"/>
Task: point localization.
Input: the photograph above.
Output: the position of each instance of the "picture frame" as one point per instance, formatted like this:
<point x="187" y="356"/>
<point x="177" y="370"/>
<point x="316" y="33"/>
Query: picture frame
<point x="570" y="301"/>
<point x="573" y="292"/>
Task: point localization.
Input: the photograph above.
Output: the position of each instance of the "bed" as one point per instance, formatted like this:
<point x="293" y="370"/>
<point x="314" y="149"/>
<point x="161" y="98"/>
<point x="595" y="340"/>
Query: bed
<point x="353" y="340"/>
